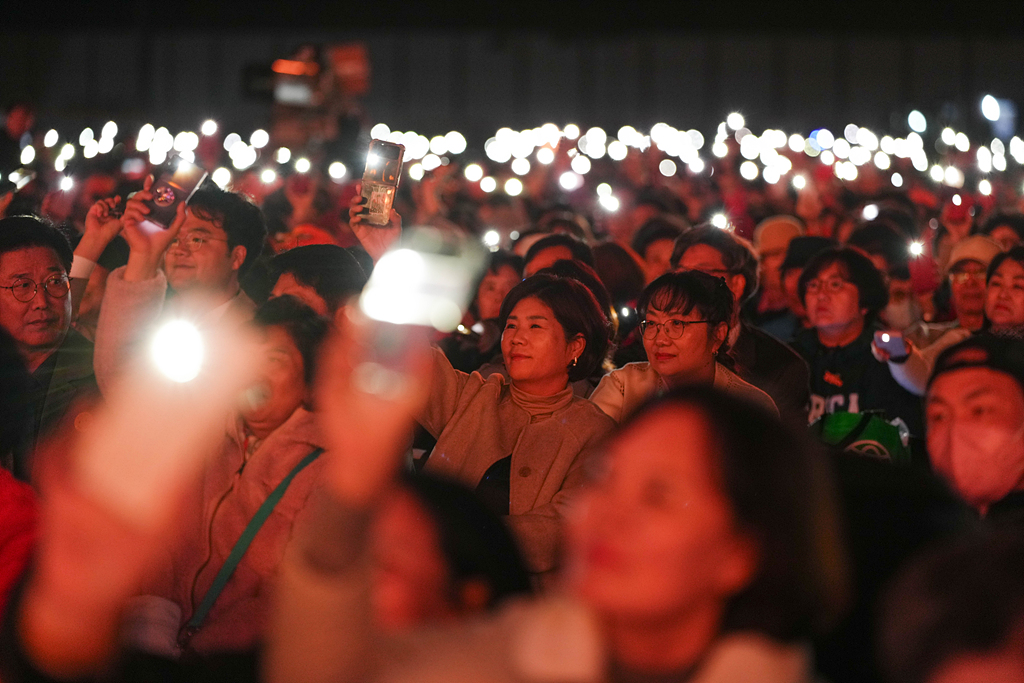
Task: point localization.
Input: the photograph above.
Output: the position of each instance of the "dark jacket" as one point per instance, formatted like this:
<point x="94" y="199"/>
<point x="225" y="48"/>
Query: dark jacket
<point x="55" y="387"/>
<point x="848" y="378"/>
<point x="775" y="369"/>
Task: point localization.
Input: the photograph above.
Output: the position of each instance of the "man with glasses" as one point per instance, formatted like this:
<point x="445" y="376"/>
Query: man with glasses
<point x="35" y="310"/>
<point x="191" y="270"/>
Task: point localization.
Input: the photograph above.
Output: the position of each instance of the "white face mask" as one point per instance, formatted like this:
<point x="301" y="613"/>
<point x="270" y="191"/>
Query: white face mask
<point x="903" y="314"/>
<point x="984" y="463"/>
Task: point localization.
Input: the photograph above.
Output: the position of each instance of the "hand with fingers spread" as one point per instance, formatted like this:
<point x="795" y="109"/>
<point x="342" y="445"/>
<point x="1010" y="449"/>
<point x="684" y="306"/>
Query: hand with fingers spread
<point x="147" y="246"/>
<point x="376" y="239"/>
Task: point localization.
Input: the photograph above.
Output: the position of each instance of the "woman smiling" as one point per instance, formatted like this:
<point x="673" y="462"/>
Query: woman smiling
<point x="522" y="442"/>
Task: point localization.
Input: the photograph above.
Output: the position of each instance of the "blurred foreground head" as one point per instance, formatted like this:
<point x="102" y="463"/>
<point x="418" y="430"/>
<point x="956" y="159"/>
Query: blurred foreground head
<point x="707" y="508"/>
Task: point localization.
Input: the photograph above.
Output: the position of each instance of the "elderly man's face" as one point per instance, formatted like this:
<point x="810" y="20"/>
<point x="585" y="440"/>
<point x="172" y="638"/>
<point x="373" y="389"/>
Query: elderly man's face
<point x="39" y="324"/>
<point x="976" y="433"/>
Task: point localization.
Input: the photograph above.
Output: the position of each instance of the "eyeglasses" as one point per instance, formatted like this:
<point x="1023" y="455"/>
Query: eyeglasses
<point x="673" y="328"/>
<point x="192" y="242"/>
<point x="833" y="286"/>
<point x="963" y="277"/>
<point x="24" y="290"/>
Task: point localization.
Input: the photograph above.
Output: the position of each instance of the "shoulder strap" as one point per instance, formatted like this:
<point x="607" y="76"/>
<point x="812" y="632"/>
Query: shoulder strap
<point x="242" y="544"/>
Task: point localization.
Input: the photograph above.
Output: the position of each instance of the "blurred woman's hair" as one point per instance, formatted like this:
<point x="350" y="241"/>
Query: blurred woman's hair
<point x="579" y="249"/>
<point x="656" y="229"/>
<point x="475" y="543"/>
<point x="781" y="492"/>
<point x="1012" y="220"/>
<point x="306" y="329"/>
<point x="964" y="598"/>
<point x="576" y="310"/>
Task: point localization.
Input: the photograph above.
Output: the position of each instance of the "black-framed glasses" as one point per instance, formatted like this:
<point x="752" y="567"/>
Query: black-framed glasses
<point x="673" y="328"/>
<point x="24" y="290"/>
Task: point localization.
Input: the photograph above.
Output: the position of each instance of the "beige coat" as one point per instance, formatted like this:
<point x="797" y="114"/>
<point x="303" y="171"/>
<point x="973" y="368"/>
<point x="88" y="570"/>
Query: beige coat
<point x="476" y="423"/>
<point x="624" y="390"/>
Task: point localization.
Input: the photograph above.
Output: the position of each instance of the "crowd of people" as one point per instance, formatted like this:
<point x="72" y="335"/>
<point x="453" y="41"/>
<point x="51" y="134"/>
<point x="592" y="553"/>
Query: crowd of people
<point x="784" y="447"/>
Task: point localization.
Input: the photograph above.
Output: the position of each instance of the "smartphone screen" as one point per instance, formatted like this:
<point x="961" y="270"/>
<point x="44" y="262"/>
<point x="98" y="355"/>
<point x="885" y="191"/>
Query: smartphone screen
<point x="175" y="183"/>
<point x="380" y="180"/>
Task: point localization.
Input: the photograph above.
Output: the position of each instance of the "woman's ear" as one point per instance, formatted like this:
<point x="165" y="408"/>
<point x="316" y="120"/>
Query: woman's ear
<point x="577" y="345"/>
<point x="718" y="335"/>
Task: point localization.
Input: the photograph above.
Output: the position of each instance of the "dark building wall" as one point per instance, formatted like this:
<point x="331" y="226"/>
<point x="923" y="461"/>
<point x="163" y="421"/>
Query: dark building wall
<point x="433" y="81"/>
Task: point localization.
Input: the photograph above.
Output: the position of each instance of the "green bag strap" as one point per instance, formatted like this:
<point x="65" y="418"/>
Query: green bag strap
<point x="241" y="545"/>
<point x="855" y="433"/>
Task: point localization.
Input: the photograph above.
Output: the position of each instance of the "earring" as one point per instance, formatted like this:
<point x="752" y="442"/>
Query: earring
<point x="574" y="362"/>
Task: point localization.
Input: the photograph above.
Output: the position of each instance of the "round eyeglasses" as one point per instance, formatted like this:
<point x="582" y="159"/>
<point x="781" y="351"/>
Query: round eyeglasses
<point x="673" y="328"/>
<point x="24" y="290"/>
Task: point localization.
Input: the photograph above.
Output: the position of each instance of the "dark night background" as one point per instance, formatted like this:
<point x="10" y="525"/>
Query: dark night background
<point x="481" y="65"/>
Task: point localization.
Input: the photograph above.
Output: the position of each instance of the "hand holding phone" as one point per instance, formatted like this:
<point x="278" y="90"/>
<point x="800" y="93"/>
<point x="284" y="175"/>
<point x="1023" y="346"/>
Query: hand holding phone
<point x="892" y="344"/>
<point x="380" y="180"/>
<point x="175" y="184"/>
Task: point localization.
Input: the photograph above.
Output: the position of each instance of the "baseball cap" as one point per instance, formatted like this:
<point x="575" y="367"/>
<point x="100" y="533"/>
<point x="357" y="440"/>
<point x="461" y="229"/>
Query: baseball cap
<point x="984" y="350"/>
<point x="974" y="248"/>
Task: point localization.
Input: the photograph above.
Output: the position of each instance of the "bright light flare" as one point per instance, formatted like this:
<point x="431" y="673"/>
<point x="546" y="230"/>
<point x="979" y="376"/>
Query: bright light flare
<point x="667" y="168"/>
<point x="488" y="184"/>
<point x="302" y="165"/>
<point x="720" y="221"/>
<point x="177" y="350"/>
<point x="915" y="249"/>
<point x="513" y="187"/>
<point x="283" y="155"/>
<point x="990" y="108"/>
<point x="917" y="122"/>
<point x="209" y="127"/>
<point x="985" y="187"/>
<point x="268" y="175"/>
<point x="735" y="120"/>
<point x="222" y="177"/>
<point x="799" y="182"/>
<point x="337" y="170"/>
<point x="259" y="138"/>
<point x="66" y="183"/>
<point x="473" y="172"/>
<point x="28" y="155"/>
<point x="51" y="138"/>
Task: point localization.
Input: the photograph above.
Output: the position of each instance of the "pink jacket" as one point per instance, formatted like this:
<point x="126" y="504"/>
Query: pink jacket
<point x="233" y="489"/>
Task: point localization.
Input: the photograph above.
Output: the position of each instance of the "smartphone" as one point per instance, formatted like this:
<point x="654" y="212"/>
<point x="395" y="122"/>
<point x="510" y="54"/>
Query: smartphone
<point x="421" y="287"/>
<point x="176" y="182"/>
<point x="380" y="180"/>
<point x="891" y="342"/>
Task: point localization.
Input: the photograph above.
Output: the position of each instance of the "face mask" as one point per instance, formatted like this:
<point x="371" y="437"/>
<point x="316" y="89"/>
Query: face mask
<point x="901" y="315"/>
<point x="984" y="462"/>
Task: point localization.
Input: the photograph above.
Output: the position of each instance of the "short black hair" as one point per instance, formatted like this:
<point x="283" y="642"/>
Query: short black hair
<point x="307" y="329"/>
<point x="1014" y="254"/>
<point x="738" y="254"/>
<point x="779" y="489"/>
<point x="580" y="251"/>
<point x="502" y="258"/>
<point x="19" y="232"/>
<point x="687" y="290"/>
<point x="475" y="543"/>
<point x="575" y="309"/>
<point x="656" y="229"/>
<point x="859" y="270"/>
<point x="237" y="215"/>
<point x="329" y="269"/>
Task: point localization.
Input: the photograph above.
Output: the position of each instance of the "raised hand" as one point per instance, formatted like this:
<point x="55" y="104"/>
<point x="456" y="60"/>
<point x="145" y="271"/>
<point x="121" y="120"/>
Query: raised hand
<point x="367" y="432"/>
<point x="101" y="226"/>
<point x="147" y="245"/>
<point x="376" y="239"/>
